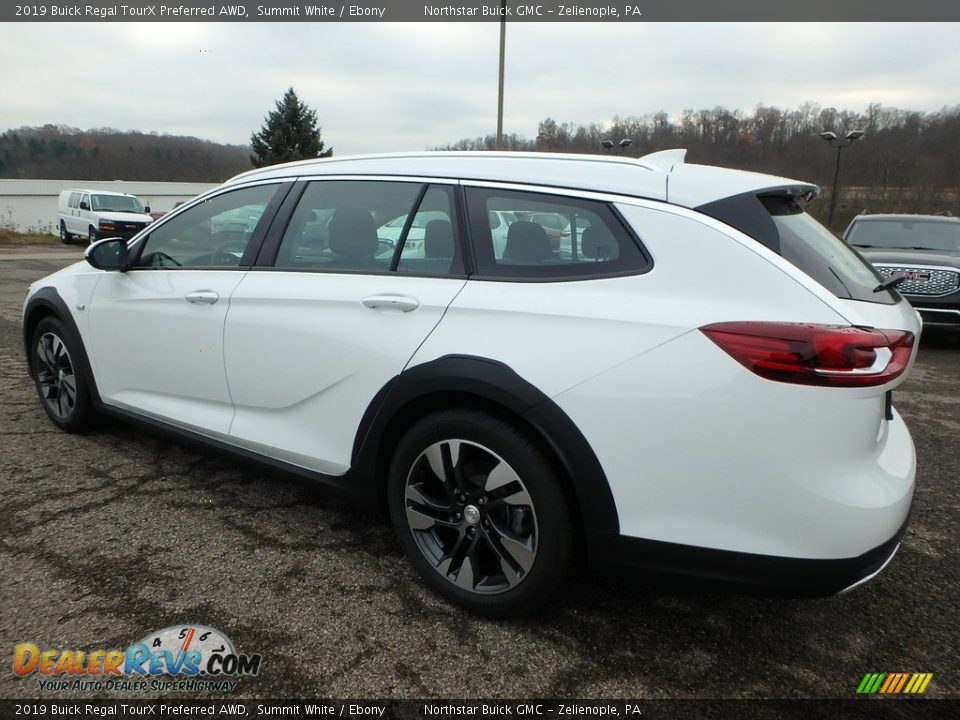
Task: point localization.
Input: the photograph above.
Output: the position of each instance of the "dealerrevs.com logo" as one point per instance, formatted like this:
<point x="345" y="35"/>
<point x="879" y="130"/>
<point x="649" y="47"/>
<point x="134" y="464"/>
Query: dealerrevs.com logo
<point x="894" y="683"/>
<point x="178" y="658"/>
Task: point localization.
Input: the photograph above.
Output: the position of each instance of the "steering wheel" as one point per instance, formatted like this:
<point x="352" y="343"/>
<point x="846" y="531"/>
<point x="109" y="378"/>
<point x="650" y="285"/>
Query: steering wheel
<point x="228" y="253"/>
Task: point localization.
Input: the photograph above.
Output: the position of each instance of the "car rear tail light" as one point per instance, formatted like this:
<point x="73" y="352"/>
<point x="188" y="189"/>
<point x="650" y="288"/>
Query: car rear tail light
<point x="827" y="355"/>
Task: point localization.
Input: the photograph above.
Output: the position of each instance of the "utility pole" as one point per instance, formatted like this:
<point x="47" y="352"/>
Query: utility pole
<point x="503" y="41"/>
<point x="839" y="144"/>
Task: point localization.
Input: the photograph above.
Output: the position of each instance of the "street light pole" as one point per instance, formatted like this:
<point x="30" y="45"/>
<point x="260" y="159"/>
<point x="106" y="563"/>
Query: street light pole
<point x="839" y="144"/>
<point x="503" y="41"/>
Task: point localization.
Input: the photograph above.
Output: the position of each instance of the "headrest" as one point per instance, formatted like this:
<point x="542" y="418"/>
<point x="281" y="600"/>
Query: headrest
<point x="353" y="233"/>
<point x="527" y="243"/>
<point x="597" y="243"/>
<point x="438" y="239"/>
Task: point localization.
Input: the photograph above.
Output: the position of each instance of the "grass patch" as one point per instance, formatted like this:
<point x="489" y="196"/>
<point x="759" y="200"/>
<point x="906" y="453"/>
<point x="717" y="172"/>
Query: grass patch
<point x="12" y="237"/>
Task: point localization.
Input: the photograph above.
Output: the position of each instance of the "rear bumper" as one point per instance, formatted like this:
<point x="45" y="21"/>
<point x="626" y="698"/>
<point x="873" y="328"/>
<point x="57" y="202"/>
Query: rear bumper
<point x="738" y="571"/>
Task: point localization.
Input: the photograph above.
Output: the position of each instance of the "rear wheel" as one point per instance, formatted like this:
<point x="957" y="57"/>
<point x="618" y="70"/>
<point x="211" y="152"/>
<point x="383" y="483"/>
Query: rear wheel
<point x="61" y="387"/>
<point x="65" y="237"/>
<point x="480" y="513"/>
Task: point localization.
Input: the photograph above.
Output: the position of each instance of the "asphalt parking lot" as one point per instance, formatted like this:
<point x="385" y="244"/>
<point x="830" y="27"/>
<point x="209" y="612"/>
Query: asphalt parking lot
<point x="111" y="535"/>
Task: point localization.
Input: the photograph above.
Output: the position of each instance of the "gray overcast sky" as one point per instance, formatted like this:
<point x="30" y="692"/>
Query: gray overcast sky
<point x="398" y="86"/>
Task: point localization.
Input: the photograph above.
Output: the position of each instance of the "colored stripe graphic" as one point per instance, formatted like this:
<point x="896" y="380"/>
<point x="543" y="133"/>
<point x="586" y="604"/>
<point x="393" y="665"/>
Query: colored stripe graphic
<point x="871" y="682"/>
<point x="891" y="682"/>
<point x="894" y="683"/>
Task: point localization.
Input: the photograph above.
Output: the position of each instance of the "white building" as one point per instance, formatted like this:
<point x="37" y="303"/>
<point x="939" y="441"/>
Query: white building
<point x="31" y="205"/>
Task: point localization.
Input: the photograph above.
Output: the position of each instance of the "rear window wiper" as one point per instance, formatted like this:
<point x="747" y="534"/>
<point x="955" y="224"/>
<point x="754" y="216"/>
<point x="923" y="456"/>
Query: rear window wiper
<point x="890" y="282"/>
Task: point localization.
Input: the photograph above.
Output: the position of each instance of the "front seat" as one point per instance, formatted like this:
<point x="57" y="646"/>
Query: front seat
<point x="353" y="238"/>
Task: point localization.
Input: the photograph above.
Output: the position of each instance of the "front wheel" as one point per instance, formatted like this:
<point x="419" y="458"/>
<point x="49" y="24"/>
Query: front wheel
<point x="60" y="385"/>
<point x="481" y="513"/>
<point x="92" y="236"/>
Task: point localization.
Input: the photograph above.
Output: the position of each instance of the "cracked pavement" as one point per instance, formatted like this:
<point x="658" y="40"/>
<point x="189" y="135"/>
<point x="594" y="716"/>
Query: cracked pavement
<point x="107" y="536"/>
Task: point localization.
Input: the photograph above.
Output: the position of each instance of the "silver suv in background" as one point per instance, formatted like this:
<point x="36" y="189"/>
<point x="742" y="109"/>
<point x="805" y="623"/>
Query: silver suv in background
<point x="924" y="250"/>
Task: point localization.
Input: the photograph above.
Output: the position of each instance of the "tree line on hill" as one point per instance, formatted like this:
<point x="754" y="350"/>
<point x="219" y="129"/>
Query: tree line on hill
<point x="289" y="132"/>
<point x="60" y="152"/>
<point x="906" y="161"/>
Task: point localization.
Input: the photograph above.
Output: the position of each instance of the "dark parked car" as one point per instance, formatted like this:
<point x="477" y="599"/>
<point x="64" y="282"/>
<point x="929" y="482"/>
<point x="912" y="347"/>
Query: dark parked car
<point x="925" y="249"/>
<point x="157" y="214"/>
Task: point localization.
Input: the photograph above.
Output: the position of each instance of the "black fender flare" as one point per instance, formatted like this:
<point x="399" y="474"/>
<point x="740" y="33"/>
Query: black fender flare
<point x="491" y="382"/>
<point x="47" y="301"/>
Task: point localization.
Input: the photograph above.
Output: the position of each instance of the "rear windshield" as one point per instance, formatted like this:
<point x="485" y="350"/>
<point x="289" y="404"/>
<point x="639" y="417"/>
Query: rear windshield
<point x="779" y="222"/>
<point x="906" y="234"/>
<point x="821" y="255"/>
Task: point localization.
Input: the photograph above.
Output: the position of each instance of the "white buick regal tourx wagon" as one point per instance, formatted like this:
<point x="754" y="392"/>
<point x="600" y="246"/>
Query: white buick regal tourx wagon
<point x="642" y="363"/>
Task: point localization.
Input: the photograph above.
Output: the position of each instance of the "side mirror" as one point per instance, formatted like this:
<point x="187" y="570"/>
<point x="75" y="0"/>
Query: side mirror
<point x="84" y="206"/>
<point x="109" y="254"/>
<point x="147" y="209"/>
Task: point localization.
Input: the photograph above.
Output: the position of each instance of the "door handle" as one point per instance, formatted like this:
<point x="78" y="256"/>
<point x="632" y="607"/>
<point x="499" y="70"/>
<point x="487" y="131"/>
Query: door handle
<point x="202" y="296"/>
<point x="395" y="302"/>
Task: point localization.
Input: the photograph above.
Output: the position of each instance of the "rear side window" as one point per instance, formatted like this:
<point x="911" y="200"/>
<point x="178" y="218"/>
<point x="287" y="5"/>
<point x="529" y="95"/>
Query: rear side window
<point x="430" y="246"/>
<point x="347" y="225"/>
<point x="821" y="255"/>
<point x="531" y="236"/>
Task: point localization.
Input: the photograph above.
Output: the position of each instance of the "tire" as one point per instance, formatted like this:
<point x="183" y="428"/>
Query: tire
<point x="61" y="386"/>
<point x="92" y="236"/>
<point x="480" y="513"/>
<point x="65" y="237"/>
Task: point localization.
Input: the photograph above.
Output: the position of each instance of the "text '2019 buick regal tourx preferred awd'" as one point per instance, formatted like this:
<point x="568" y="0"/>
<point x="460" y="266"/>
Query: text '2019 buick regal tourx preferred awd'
<point x="524" y="360"/>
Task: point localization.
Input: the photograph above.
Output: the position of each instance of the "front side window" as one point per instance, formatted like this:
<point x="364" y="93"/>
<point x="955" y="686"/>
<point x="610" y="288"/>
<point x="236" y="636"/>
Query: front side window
<point x="213" y="233"/>
<point x="531" y="236"/>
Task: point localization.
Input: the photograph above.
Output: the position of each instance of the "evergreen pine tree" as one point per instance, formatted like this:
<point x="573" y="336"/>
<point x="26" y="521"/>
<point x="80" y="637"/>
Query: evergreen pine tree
<point x="289" y="133"/>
